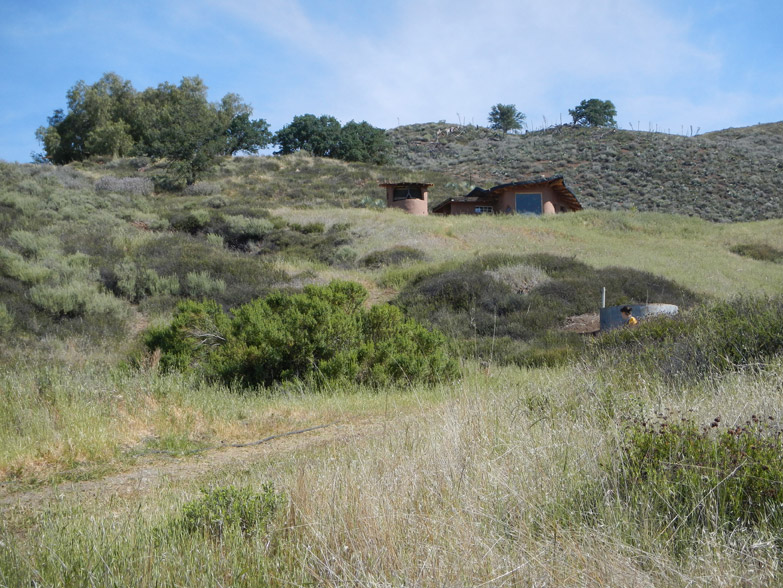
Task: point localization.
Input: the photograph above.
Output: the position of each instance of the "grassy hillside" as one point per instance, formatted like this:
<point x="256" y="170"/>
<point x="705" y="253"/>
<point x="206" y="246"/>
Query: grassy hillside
<point x="523" y="470"/>
<point x="731" y="175"/>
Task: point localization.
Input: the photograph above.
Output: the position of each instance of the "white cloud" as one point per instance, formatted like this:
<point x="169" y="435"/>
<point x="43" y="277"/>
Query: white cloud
<point x="433" y="59"/>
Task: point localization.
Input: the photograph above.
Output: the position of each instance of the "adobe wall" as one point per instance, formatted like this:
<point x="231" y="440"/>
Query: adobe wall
<point x="551" y="200"/>
<point x="416" y="206"/>
<point x="412" y="206"/>
<point x="465" y="207"/>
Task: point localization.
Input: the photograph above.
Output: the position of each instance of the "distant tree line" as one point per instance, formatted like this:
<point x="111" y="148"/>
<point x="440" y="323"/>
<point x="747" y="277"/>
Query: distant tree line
<point x="177" y="124"/>
<point x="324" y="137"/>
<point x="588" y="113"/>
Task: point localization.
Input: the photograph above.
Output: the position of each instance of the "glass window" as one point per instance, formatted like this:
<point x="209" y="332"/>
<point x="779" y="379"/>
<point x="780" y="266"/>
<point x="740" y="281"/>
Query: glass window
<point x="407" y="193"/>
<point x="484" y="210"/>
<point x="529" y="203"/>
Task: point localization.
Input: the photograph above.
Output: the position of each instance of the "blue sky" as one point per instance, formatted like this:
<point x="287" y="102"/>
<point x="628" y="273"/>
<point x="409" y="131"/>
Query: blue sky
<point x="669" y="65"/>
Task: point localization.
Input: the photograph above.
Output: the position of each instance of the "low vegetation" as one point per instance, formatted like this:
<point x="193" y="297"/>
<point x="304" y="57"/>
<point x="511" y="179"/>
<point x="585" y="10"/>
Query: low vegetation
<point x="322" y="336"/>
<point x="510" y="308"/>
<point x="265" y="379"/>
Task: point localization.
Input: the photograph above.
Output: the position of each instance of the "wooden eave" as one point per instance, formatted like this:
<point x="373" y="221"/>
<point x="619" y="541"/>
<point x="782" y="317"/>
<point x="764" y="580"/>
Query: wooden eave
<point x="405" y="185"/>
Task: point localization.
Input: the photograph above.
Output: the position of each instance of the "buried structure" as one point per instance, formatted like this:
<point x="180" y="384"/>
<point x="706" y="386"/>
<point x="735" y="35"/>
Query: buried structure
<point x="539" y="196"/>
<point x="611" y="317"/>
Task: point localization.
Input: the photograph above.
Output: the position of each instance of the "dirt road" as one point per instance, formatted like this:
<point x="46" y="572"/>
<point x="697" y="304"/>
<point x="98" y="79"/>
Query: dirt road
<point x="156" y="470"/>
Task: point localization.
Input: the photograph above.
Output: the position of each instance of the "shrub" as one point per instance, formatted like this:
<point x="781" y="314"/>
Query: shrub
<point x="221" y="509"/>
<point x="135" y="283"/>
<point x="34" y="245"/>
<point x="215" y="240"/>
<point x="679" y="476"/>
<point x="321" y="334"/>
<point x="521" y="278"/>
<point x="75" y="299"/>
<point x="743" y="333"/>
<point x="311" y="242"/>
<point x="191" y="222"/>
<point x="202" y="284"/>
<point x="202" y="189"/>
<point x="197" y="329"/>
<point x="759" y="251"/>
<point x="6" y="319"/>
<point x="238" y="230"/>
<point x="393" y="256"/>
<point x="132" y="186"/>
<point x="523" y="298"/>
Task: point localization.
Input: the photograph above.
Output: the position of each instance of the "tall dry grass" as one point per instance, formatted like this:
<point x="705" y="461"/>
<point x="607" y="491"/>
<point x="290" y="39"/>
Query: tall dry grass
<point x="503" y="483"/>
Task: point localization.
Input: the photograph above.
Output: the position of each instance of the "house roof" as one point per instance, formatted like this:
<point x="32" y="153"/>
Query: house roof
<point x="556" y="183"/>
<point x="405" y="184"/>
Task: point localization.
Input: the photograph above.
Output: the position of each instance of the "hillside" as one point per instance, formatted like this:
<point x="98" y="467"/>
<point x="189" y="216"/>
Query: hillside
<point x="731" y="175"/>
<point x="528" y="465"/>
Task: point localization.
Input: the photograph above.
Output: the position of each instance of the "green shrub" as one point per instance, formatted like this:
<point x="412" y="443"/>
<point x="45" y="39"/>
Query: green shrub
<point x="6" y="320"/>
<point x="680" y="477"/>
<point x="196" y="330"/>
<point x="202" y="284"/>
<point x="322" y="334"/>
<point x="34" y="245"/>
<point x="226" y="508"/>
<point x="393" y="256"/>
<point x="135" y="283"/>
<point x="216" y="240"/>
<point x="523" y="298"/>
<point x="191" y="222"/>
<point x="245" y="276"/>
<point x="15" y="266"/>
<point x="739" y="334"/>
<point x="76" y="299"/>
<point x="237" y="230"/>
<point x="310" y="242"/>
<point x="759" y="251"/>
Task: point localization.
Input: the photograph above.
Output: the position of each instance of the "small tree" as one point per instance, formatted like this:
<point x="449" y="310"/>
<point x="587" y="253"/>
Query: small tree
<point x="362" y="142"/>
<point x="324" y="137"/>
<point x="506" y="117"/>
<point x="594" y="113"/>
<point x="316" y="135"/>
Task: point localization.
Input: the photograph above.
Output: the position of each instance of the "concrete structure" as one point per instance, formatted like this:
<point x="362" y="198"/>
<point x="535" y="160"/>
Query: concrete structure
<point x="408" y="196"/>
<point x="540" y="196"/>
<point x="611" y="317"/>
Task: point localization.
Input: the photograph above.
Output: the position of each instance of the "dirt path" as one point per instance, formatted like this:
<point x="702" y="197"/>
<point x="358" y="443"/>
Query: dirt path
<point x="155" y="471"/>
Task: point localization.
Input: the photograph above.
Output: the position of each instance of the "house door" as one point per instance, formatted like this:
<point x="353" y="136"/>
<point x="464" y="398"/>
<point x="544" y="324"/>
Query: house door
<point x="529" y="203"/>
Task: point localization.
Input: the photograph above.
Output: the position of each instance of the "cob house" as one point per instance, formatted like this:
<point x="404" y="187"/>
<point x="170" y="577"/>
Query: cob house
<point x="539" y="196"/>
<point x="408" y="196"/>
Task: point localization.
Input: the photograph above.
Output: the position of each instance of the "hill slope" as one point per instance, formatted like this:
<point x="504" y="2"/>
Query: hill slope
<point x="731" y="175"/>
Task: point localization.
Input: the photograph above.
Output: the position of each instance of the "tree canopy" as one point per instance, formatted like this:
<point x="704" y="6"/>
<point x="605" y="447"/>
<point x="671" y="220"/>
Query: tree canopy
<point x="172" y="122"/>
<point x="324" y="136"/>
<point x="594" y="113"/>
<point x="506" y="117"/>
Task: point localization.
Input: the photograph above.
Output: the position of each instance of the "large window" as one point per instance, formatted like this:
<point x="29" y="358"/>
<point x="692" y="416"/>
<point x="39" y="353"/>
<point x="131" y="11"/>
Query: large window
<point x="407" y="193"/>
<point x="529" y="203"/>
<point x="484" y="210"/>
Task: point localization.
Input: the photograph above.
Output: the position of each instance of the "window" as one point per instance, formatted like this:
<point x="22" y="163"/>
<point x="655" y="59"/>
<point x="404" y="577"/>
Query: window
<point x="484" y="209"/>
<point x="529" y="203"/>
<point x="407" y="193"/>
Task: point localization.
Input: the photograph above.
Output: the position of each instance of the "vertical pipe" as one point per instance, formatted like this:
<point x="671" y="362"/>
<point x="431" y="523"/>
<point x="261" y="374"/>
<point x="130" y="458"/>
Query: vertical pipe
<point x="603" y="297"/>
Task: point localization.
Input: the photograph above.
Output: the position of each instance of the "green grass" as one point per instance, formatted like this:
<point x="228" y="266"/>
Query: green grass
<point x="506" y="464"/>
<point x="506" y="475"/>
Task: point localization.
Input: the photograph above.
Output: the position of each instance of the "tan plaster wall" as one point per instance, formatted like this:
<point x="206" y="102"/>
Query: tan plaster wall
<point x="551" y="200"/>
<point x="414" y="206"/>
